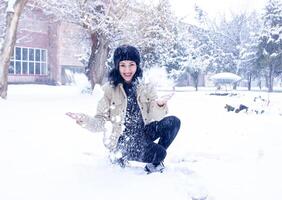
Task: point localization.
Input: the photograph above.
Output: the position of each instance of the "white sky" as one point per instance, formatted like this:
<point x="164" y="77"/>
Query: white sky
<point x="216" y="7"/>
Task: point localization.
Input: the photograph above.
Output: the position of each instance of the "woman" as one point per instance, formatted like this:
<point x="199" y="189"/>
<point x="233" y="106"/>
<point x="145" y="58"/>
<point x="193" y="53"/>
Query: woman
<point x="136" y="114"/>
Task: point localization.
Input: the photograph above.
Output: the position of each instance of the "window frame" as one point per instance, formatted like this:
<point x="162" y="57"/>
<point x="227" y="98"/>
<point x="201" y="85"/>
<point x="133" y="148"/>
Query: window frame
<point x="43" y="64"/>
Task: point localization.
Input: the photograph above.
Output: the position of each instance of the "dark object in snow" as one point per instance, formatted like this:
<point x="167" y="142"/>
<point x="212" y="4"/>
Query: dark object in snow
<point x="261" y="103"/>
<point x="241" y="107"/>
<point x="259" y="112"/>
<point x="259" y="98"/>
<point x="219" y="94"/>
<point x="229" y="108"/>
<point x="237" y="110"/>
<point x="223" y="94"/>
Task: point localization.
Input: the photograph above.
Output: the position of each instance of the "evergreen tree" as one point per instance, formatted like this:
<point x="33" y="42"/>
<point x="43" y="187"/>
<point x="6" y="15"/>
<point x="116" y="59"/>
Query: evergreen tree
<point x="270" y="42"/>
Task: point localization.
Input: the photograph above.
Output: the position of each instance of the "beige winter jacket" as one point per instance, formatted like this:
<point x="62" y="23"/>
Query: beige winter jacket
<point x="112" y="108"/>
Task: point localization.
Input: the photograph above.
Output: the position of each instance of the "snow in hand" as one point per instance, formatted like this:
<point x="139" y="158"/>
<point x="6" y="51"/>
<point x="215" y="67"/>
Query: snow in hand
<point x="45" y="155"/>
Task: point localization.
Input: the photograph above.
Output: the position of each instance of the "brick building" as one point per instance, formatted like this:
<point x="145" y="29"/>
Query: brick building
<point x="44" y="49"/>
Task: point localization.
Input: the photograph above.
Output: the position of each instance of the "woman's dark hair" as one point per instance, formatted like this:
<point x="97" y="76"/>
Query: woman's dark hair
<point x="124" y="52"/>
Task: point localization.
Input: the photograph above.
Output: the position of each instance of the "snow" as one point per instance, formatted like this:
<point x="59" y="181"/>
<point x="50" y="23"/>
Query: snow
<point x="226" y="75"/>
<point x="225" y="78"/>
<point x="11" y="4"/>
<point x="45" y="155"/>
<point x="162" y="80"/>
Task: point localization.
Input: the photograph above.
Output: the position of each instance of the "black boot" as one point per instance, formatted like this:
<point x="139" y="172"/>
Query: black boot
<point x="150" y="167"/>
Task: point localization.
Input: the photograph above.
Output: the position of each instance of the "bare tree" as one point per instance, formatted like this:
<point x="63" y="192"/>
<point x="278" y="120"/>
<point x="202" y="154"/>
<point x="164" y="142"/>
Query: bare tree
<point x="105" y="25"/>
<point x="103" y="20"/>
<point x="13" y="12"/>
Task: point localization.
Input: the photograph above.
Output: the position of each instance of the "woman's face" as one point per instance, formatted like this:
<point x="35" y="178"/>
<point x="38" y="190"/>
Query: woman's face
<point x="127" y="69"/>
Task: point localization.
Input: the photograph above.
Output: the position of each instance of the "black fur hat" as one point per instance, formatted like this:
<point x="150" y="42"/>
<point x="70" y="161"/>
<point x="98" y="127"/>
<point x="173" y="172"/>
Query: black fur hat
<point x="126" y="52"/>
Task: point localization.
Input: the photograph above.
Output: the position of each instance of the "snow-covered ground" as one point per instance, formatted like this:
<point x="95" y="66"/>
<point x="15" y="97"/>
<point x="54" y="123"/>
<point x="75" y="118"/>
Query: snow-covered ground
<point x="44" y="155"/>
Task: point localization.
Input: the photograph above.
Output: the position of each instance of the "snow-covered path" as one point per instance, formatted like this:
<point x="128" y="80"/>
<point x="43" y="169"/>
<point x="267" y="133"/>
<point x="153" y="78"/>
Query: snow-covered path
<point x="45" y="155"/>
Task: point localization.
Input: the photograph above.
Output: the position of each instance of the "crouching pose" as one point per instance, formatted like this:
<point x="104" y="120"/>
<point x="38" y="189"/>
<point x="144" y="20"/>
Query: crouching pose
<point x="136" y="113"/>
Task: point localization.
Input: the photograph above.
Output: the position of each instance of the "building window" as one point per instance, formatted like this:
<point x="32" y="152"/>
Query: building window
<point x="28" y="61"/>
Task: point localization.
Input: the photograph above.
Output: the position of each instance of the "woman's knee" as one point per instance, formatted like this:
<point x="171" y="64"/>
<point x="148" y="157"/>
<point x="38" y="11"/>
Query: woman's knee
<point x="172" y="121"/>
<point x="177" y="121"/>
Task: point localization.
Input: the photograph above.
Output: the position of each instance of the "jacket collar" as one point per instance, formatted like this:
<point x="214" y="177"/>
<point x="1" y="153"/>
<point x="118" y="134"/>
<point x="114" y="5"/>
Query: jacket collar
<point x="138" y="89"/>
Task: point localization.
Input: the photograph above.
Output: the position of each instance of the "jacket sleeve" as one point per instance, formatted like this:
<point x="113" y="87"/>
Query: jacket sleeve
<point x="97" y="123"/>
<point x="156" y="112"/>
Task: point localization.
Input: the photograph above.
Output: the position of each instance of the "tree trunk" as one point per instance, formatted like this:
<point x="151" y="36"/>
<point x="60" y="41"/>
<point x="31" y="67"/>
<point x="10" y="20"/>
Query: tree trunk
<point x="89" y="68"/>
<point x="97" y="61"/>
<point x="188" y="81"/>
<point x="266" y="81"/>
<point x="260" y="84"/>
<point x="196" y="79"/>
<point x="235" y="86"/>
<point x="196" y="83"/>
<point x="12" y="19"/>
<point x="270" y="79"/>
<point x="249" y="82"/>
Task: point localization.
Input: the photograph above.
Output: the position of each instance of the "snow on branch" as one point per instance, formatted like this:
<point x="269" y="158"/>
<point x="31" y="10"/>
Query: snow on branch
<point x="11" y="4"/>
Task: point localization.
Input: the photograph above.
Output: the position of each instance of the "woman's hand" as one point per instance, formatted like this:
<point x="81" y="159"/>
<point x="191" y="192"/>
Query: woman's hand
<point x="80" y="118"/>
<point x="161" y="102"/>
<point x="163" y="99"/>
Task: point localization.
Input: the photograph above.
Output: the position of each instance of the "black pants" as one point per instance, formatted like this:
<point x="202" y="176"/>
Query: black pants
<point x="146" y="150"/>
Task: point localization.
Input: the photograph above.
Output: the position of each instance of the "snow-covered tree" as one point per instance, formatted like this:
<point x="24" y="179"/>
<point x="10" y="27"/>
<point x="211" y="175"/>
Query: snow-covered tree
<point x="193" y="48"/>
<point x="206" y="49"/>
<point x="156" y="34"/>
<point x="166" y="41"/>
<point x="200" y="47"/>
<point x="102" y="28"/>
<point x="151" y="27"/>
<point x="270" y="42"/>
<point x="10" y="11"/>
<point x="200" y="55"/>
<point x="102" y="19"/>
<point x="180" y="55"/>
<point x="228" y="38"/>
<point x="248" y="57"/>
